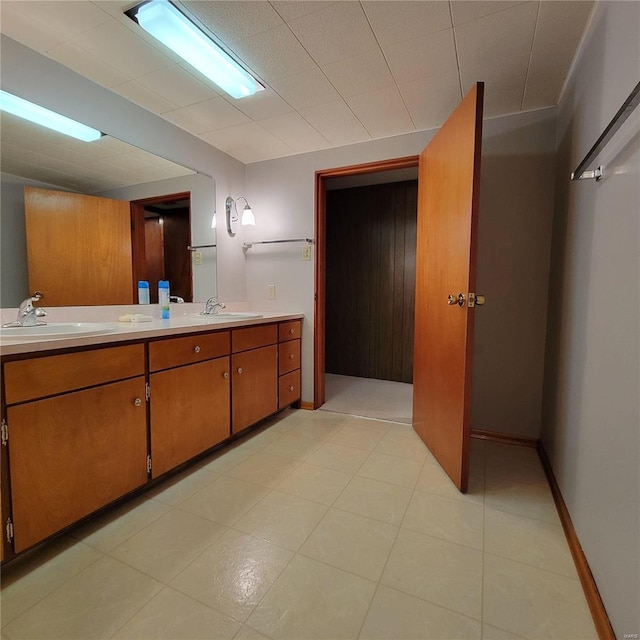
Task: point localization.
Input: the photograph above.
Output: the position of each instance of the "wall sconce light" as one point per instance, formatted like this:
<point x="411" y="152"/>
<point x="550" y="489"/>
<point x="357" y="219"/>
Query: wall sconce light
<point x="247" y="219"/>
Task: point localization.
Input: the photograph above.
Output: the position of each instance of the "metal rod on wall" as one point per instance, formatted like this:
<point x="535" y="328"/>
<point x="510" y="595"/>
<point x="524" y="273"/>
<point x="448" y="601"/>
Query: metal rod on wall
<point x="195" y="247"/>
<point x="248" y="245"/>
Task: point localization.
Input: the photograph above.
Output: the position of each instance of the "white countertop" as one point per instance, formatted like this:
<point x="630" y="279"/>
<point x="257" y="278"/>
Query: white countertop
<point x="182" y="322"/>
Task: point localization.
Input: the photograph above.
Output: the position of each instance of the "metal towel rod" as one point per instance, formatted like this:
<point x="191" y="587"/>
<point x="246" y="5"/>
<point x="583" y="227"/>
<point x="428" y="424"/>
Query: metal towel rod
<point x="195" y="247"/>
<point x="623" y="113"/>
<point x="248" y="245"/>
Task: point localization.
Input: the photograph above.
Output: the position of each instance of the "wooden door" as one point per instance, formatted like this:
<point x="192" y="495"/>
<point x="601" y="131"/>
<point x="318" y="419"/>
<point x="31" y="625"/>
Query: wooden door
<point x="72" y="454"/>
<point x="448" y="196"/>
<point x="255" y="386"/>
<point x="190" y="412"/>
<point x="78" y="248"/>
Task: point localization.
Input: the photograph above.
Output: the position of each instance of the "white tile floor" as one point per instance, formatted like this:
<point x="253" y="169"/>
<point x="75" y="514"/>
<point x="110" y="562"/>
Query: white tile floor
<point x="319" y="525"/>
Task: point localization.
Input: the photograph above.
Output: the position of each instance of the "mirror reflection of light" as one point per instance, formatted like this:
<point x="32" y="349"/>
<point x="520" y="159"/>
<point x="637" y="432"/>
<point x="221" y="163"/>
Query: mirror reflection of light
<point x="160" y="220"/>
<point x="213" y="221"/>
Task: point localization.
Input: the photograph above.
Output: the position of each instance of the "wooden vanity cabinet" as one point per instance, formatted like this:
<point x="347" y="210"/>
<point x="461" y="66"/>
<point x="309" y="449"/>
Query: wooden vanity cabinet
<point x="80" y="448"/>
<point x="289" y="354"/>
<point x="189" y="397"/>
<point x="254" y="374"/>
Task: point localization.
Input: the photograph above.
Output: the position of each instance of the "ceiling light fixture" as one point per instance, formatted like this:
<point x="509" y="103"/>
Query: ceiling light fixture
<point x="231" y="208"/>
<point x="174" y="29"/>
<point x="46" y="118"/>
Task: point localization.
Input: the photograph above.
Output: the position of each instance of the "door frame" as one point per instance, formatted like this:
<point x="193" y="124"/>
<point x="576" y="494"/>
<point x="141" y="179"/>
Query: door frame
<point x="138" y="253"/>
<point x="320" y="274"/>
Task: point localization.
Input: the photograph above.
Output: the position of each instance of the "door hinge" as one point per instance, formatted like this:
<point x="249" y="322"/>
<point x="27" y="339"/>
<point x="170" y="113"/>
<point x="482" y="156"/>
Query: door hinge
<point x="8" y="528"/>
<point x="148" y="464"/>
<point x="5" y="433"/>
<point x="147" y="391"/>
<point x="476" y="299"/>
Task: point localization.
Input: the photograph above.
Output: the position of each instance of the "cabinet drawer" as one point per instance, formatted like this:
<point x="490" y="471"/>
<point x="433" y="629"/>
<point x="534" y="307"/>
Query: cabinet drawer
<point x="288" y="356"/>
<point x="173" y="352"/>
<point x="290" y="330"/>
<point x="289" y="389"/>
<point x="254" y="337"/>
<point x="50" y="375"/>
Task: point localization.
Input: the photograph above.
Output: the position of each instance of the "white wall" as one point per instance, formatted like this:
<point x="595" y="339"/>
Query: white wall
<point x="513" y="254"/>
<point x="592" y="378"/>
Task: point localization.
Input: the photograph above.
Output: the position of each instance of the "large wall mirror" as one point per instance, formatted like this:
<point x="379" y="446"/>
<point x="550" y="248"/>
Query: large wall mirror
<point x="32" y="156"/>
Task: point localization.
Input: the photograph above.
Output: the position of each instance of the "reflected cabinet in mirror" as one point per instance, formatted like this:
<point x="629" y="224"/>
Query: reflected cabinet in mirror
<point x="83" y="222"/>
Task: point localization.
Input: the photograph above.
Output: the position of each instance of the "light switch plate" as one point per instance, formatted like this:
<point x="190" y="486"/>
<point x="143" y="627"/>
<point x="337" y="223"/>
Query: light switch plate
<point x="271" y="292"/>
<point x="306" y="252"/>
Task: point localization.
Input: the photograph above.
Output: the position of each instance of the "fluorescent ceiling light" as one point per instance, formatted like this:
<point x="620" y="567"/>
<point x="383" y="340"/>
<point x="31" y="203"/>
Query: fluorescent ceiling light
<point x="44" y="117"/>
<point x="164" y="22"/>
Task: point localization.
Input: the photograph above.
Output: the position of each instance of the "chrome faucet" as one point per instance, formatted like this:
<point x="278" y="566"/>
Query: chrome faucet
<point x="28" y="314"/>
<point x="211" y="307"/>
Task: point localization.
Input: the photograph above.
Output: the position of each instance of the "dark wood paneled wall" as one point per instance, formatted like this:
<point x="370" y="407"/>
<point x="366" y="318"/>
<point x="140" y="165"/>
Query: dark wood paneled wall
<point x="371" y="251"/>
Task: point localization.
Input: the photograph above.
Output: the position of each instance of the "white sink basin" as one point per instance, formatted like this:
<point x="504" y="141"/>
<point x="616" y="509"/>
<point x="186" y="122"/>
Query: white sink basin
<point x="226" y="317"/>
<point x="57" y="330"/>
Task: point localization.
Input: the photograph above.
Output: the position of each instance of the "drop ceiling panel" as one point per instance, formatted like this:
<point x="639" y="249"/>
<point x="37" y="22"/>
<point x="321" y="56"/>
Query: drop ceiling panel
<point x="427" y="113"/>
<point x="307" y="89"/>
<point x="234" y="137"/>
<point x="339" y="31"/>
<point x="294" y="131"/>
<point x="178" y="86"/>
<point x="290" y="9"/>
<point x="122" y="49"/>
<point x="503" y="68"/>
<point x="468" y="10"/>
<point x="360" y="74"/>
<point x="399" y="21"/>
<point x="383" y="112"/>
<point x="135" y="92"/>
<point x="336" y="122"/>
<point x="263" y="104"/>
<point x="560" y="27"/>
<point x="209" y="115"/>
<point x="423" y="57"/>
<point x="18" y="26"/>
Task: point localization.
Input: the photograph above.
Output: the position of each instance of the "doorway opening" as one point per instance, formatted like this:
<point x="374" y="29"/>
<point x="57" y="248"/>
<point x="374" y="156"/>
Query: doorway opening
<point x="161" y="234"/>
<point x="365" y="283"/>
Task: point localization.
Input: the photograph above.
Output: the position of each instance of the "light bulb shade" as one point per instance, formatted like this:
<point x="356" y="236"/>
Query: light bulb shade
<point x="46" y="118"/>
<point x="167" y="24"/>
<point x="214" y="222"/>
<point x="248" y="219"/>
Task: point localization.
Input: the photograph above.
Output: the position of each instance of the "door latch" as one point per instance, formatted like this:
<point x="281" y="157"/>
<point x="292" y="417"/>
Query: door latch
<point x="476" y="299"/>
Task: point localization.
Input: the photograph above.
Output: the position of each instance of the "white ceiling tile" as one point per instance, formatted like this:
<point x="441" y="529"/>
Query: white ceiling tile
<point x="422" y="58"/>
<point x="558" y="32"/>
<point x="336" y="122"/>
<point x="134" y="91"/>
<point x="236" y="137"/>
<point x="88" y="65"/>
<point x="468" y="10"/>
<point x="405" y="20"/>
<point x="261" y="148"/>
<point x="263" y="104"/>
<point x="292" y="9"/>
<point x="210" y="115"/>
<point x="177" y="85"/>
<point x="337" y="32"/>
<point x="122" y="49"/>
<point x="18" y="26"/>
<point x="382" y="112"/>
<point x="426" y="112"/>
<point x="360" y="74"/>
<point x="295" y="131"/>
<point x="65" y="19"/>
<point x="496" y="50"/>
<point x="274" y="54"/>
<point x="306" y="89"/>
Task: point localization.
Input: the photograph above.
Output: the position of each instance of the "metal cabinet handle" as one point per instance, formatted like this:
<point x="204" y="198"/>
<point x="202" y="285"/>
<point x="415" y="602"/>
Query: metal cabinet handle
<point x="239" y="369"/>
<point x="291" y="388"/>
<point x="225" y="375"/>
<point x="138" y="402"/>
<point x="291" y="356"/>
<point x="196" y="349"/>
<point x="292" y="331"/>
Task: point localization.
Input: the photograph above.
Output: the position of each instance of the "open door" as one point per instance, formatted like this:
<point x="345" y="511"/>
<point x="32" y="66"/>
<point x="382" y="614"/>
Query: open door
<point x="448" y="197"/>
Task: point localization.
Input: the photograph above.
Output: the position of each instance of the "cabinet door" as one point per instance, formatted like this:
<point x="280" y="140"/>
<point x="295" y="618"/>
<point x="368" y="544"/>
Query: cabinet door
<point x="189" y="412"/>
<point x="72" y="454"/>
<point x="255" y="386"/>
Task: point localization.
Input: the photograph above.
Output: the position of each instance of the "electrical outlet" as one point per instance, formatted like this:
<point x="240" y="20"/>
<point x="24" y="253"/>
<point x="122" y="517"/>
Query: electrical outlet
<point x="306" y="252"/>
<point x="271" y="292"/>
<point x="197" y="257"/>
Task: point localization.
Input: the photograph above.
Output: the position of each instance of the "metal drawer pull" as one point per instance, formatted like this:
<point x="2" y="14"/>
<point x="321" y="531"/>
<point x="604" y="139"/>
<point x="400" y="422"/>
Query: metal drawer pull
<point x="239" y="369"/>
<point x="196" y="349"/>
<point x="291" y="388"/>
<point x="292" y="331"/>
<point x="291" y="356"/>
<point x="138" y="402"/>
<point x="225" y="375"/>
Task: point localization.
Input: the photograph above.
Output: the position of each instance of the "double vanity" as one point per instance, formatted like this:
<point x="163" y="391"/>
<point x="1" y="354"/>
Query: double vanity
<point x="91" y="416"/>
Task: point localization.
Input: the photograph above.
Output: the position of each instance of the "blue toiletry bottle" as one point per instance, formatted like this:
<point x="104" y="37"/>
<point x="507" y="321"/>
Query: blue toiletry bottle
<point x="163" y="299"/>
<point x="143" y="292"/>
